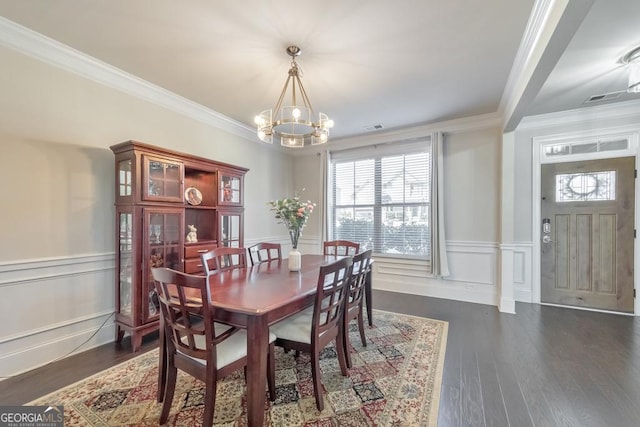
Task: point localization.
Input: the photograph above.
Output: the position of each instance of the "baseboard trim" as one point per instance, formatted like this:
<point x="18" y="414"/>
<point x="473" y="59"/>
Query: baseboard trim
<point x="507" y="305"/>
<point x="438" y="288"/>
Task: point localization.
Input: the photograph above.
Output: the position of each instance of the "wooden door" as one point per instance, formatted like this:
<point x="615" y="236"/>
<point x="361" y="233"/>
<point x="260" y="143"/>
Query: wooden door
<point x="588" y="234"/>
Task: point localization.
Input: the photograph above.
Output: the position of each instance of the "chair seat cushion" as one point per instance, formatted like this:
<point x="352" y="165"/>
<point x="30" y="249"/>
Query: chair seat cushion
<point x="295" y="328"/>
<point x="229" y="350"/>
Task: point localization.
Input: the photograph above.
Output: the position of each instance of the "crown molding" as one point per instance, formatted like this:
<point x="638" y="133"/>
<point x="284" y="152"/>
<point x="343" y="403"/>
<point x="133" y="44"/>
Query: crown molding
<point x="529" y="40"/>
<point x="522" y="66"/>
<point x="465" y="124"/>
<point x="52" y="52"/>
<point x="616" y="110"/>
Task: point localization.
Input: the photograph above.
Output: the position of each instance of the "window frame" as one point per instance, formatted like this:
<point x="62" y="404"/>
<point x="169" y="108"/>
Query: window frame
<point x="377" y="153"/>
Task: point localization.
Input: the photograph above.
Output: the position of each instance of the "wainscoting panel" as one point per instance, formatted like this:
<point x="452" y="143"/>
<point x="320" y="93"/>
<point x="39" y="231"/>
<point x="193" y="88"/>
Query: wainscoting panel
<point x="472" y="278"/>
<point x="54" y="307"/>
<point x="472" y="262"/>
<point x="522" y="271"/>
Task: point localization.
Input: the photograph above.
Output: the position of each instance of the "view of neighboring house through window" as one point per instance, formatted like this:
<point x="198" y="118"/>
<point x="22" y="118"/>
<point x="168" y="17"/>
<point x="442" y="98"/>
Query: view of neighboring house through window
<point x="381" y="198"/>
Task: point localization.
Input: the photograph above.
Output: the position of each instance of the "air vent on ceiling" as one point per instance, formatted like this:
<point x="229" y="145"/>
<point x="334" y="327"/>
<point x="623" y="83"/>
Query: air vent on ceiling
<point x="373" y="127"/>
<point x="603" y="97"/>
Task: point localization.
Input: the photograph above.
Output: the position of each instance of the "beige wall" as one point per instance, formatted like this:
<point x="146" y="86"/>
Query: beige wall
<point x="307" y="175"/>
<point x="472" y="185"/>
<point x="58" y="201"/>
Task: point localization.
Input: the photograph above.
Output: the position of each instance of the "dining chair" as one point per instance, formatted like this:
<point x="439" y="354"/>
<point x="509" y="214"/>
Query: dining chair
<point x="355" y="299"/>
<point x="340" y="247"/>
<point x="263" y="252"/>
<point x="223" y="258"/>
<point x="194" y="343"/>
<point x="314" y="328"/>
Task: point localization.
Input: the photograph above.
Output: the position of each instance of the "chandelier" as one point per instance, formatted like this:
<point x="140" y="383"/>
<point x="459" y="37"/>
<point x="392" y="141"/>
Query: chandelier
<point x="632" y="60"/>
<point x="293" y="123"/>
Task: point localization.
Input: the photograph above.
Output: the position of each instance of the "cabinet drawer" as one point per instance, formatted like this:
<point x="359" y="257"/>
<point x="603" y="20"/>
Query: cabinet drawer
<point x="194" y="251"/>
<point x="193" y="266"/>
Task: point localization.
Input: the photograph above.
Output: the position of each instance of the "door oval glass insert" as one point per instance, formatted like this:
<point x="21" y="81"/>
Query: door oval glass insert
<point x="578" y="187"/>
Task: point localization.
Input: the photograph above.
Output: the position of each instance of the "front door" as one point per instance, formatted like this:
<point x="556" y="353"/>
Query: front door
<point x="587" y="233"/>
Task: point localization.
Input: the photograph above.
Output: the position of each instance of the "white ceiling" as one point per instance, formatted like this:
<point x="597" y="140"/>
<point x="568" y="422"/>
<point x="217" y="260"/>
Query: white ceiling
<point x="365" y="62"/>
<point x="591" y="63"/>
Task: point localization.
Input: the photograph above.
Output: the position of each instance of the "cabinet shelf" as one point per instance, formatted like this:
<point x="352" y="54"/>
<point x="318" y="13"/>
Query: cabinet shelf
<point x="201" y="207"/>
<point x="201" y="242"/>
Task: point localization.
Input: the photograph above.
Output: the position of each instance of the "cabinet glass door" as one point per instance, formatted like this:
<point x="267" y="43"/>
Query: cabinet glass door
<point x="230" y="189"/>
<point x="125" y="264"/>
<point x="163" y="233"/>
<point x="230" y="229"/>
<point x="125" y="184"/>
<point x="162" y="180"/>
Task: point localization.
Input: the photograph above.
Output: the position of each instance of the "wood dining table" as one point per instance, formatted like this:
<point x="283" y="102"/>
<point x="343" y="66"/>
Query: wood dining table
<point x="255" y="298"/>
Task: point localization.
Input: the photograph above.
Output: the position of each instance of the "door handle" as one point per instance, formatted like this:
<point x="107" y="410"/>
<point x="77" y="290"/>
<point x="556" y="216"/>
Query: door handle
<point x="546" y="239"/>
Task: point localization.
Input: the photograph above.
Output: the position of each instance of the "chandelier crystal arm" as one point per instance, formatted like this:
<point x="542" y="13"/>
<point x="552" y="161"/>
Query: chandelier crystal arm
<point x="294" y="100"/>
<point x="276" y="109"/>
<point x="305" y="97"/>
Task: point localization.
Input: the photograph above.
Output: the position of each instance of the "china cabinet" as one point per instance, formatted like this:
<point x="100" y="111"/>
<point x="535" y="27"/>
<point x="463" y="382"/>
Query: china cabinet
<point x="170" y="208"/>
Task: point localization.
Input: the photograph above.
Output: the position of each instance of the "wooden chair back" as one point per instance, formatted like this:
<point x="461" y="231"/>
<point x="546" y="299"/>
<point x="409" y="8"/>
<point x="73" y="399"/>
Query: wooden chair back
<point x="329" y="305"/>
<point x="355" y="299"/>
<point x="264" y="252"/>
<point x="223" y="258"/>
<point x="185" y="310"/>
<point x="313" y="329"/>
<point x="340" y="247"/>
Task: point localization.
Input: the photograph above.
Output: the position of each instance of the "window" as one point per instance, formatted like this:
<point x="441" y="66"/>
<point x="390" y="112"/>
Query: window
<point x="381" y="198"/>
<point x="590" y="186"/>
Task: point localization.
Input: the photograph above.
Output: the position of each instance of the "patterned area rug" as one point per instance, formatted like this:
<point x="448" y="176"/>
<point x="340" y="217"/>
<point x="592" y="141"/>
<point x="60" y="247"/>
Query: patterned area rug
<point x="395" y="381"/>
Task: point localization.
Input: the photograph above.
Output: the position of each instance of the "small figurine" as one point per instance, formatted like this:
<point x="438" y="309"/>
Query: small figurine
<point x="156" y="260"/>
<point x="192" y="236"/>
<point x="227" y="195"/>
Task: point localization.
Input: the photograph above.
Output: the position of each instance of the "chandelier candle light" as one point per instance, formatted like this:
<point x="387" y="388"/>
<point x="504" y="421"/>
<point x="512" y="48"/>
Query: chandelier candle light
<point x="293" y="124"/>
<point x="293" y="213"/>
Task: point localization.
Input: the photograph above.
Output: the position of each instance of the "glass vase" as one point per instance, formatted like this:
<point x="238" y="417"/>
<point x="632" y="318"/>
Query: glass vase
<point x="295" y="260"/>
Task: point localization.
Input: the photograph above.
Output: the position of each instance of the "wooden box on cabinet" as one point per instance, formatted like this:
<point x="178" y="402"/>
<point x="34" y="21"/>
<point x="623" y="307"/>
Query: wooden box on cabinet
<point x="159" y="194"/>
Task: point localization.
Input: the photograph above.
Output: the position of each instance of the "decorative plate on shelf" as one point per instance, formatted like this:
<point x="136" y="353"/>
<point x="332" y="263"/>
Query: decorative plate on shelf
<point x="193" y="196"/>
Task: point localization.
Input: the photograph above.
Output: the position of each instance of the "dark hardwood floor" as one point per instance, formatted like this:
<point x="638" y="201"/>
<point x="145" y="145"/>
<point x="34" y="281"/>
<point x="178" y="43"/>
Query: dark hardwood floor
<point x="544" y="366"/>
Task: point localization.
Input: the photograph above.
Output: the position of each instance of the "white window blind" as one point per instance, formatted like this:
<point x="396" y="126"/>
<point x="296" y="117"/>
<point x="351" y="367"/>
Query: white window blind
<point x="380" y="198"/>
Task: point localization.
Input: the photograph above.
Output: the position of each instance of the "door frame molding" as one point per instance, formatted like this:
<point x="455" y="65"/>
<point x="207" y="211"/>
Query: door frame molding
<point x="632" y="135"/>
